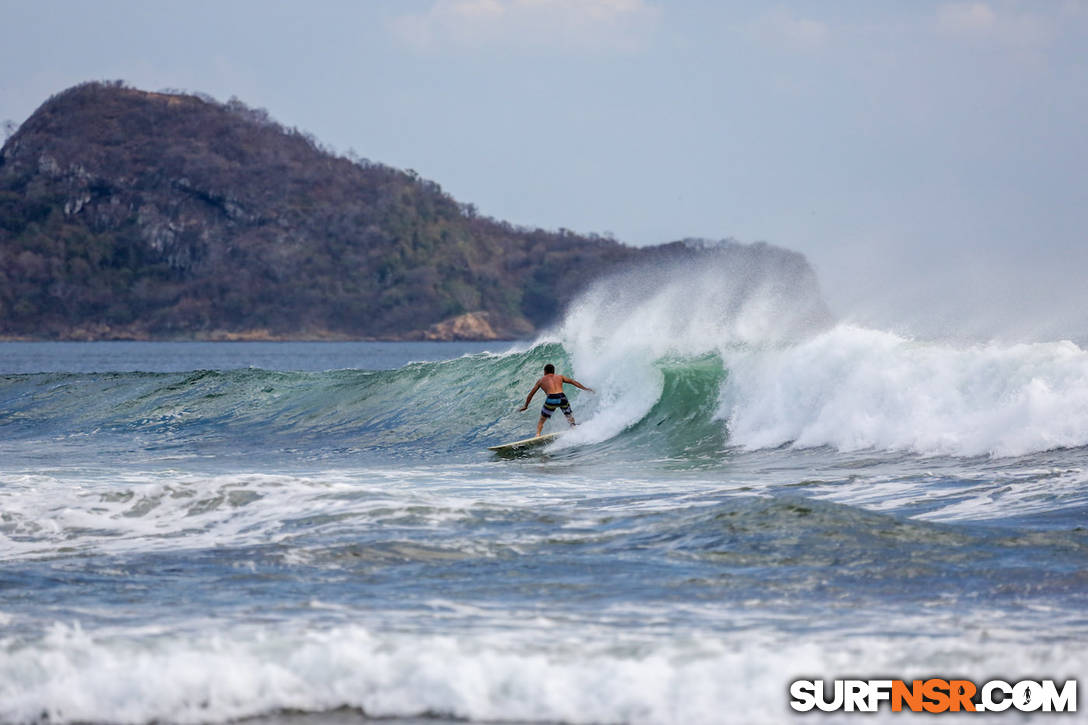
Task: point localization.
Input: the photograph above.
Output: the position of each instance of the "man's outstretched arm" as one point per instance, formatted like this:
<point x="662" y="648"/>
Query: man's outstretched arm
<point x="530" y="396"/>
<point x="576" y="384"/>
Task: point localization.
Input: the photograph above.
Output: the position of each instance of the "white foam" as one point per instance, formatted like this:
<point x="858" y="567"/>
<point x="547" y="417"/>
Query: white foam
<point x="854" y="389"/>
<point x="551" y="673"/>
<point x="146" y="511"/>
<point x="167" y="511"/>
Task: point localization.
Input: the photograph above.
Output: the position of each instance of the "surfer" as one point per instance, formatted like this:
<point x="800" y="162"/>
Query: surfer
<point x="552" y="385"/>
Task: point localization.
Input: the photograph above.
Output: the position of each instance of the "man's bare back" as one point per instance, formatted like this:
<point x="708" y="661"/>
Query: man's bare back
<point x="553" y="383"/>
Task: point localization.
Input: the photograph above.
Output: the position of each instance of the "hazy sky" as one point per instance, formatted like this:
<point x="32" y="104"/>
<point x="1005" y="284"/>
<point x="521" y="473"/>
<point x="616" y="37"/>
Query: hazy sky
<point x="930" y="158"/>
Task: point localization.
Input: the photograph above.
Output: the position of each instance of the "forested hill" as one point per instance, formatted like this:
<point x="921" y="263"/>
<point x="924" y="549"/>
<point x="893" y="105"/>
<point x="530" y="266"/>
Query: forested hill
<point x="128" y="214"/>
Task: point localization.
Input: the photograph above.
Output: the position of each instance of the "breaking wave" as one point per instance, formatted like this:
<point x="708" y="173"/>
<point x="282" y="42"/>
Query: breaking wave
<point x="691" y="357"/>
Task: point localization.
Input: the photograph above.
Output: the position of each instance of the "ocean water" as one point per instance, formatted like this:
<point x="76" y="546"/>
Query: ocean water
<point x="315" y="532"/>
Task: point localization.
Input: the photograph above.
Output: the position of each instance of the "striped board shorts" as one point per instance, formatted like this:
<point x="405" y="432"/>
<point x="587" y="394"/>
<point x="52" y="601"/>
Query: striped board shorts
<point x="553" y="401"/>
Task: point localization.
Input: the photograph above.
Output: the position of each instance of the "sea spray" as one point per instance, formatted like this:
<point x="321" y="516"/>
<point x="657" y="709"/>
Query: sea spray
<point x="706" y="299"/>
<point x="697" y="302"/>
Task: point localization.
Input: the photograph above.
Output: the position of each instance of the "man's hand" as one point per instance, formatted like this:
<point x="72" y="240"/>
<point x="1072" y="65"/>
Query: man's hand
<point x="523" y="408"/>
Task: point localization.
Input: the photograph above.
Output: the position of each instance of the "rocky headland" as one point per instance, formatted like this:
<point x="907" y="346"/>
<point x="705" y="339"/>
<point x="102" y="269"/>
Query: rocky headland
<point x="126" y="214"/>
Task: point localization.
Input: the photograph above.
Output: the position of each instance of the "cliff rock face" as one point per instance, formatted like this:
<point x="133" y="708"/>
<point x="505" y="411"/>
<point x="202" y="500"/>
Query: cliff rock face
<point x="127" y="214"/>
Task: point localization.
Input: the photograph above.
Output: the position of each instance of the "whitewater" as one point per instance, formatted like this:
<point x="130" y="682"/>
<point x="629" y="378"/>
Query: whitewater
<point x="757" y="492"/>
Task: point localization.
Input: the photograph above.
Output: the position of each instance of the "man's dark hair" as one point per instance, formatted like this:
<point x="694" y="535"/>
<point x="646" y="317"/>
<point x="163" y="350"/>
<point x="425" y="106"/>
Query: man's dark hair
<point x="549" y="369"/>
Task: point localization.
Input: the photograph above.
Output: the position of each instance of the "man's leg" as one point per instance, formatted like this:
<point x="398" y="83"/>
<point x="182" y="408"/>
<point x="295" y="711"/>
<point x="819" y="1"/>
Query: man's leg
<point x="540" y="425"/>
<point x="567" y="411"/>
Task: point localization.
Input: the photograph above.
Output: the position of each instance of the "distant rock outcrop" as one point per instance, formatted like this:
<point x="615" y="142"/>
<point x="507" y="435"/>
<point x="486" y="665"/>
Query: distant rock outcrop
<point x="471" y="326"/>
<point x="133" y="215"/>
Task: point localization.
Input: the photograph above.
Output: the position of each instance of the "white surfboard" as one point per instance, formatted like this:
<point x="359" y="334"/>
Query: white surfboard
<point x="523" y="444"/>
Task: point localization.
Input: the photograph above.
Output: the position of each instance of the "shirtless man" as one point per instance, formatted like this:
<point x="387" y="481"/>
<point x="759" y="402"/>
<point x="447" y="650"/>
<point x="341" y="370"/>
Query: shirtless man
<point x="553" y="386"/>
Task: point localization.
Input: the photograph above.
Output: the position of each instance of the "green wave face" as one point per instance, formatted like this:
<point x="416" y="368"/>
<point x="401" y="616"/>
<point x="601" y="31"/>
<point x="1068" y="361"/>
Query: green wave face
<point x="437" y="410"/>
